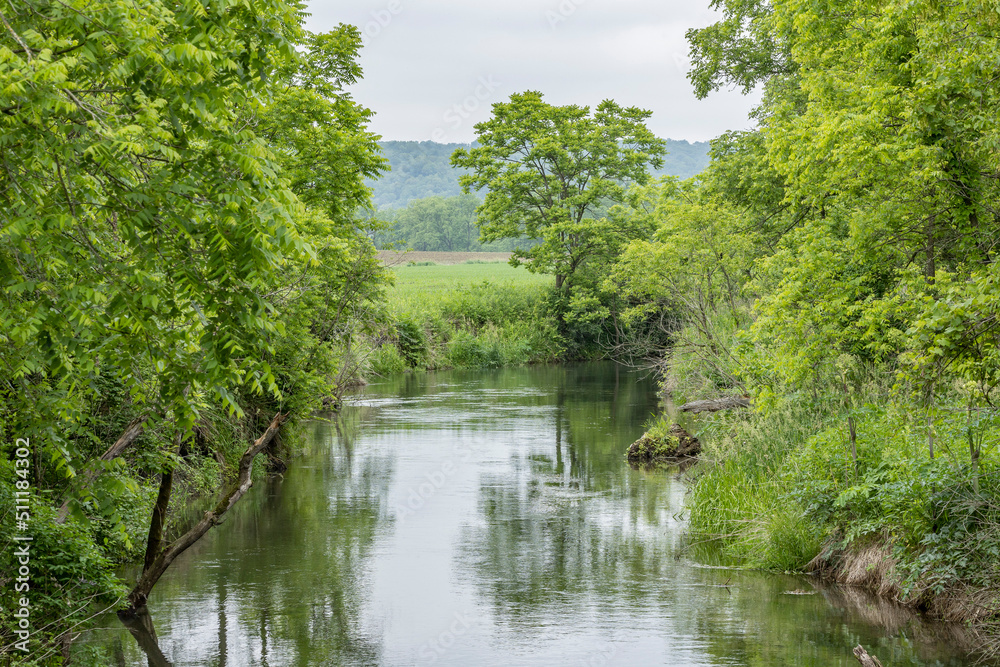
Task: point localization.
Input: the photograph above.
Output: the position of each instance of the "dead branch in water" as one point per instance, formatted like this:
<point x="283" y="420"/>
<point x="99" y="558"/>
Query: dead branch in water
<point x="864" y="658"/>
<point x="716" y="404"/>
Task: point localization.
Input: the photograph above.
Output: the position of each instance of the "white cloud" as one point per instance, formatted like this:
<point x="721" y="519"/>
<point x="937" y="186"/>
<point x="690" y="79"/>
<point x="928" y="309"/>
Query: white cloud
<point x="424" y="57"/>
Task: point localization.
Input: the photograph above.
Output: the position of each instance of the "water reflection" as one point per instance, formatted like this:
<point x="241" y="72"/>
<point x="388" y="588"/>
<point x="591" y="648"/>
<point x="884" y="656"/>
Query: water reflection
<point x="490" y="519"/>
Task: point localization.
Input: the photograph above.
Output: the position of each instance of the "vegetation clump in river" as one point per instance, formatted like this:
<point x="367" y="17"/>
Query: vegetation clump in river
<point x="663" y="444"/>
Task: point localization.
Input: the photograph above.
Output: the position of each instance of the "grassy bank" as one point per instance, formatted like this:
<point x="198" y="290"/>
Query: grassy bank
<point x="475" y="315"/>
<point x="855" y="480"/>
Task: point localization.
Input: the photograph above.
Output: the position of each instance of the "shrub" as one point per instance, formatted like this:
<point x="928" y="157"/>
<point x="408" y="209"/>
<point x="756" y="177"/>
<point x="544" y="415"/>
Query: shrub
<point x="412" y="342"/>
<point x="69" y="575"/>
<point x="386" y="360"/>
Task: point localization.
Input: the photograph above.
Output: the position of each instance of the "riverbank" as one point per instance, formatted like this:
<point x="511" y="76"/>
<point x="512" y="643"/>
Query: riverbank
<point x="874" y="568"/>
<point x="869" y="490"/>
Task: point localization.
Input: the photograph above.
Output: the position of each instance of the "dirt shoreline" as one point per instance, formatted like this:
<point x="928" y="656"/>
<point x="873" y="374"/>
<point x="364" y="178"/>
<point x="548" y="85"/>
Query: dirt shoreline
<point x="873" y="569"/>
<point x="394" y="258"/>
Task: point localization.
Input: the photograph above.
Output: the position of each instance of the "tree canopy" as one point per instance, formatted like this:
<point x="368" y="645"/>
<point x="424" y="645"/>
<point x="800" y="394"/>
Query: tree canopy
<point x="553" y="173"/>
<point x="180" y="240"/>
<point x="865" y="205"/>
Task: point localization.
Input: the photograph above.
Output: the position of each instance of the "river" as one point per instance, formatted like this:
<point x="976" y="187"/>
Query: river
<point x="489" y="518"/>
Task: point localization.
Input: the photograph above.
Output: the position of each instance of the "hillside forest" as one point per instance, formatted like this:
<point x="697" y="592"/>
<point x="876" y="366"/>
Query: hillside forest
<point x="421" y="204"/>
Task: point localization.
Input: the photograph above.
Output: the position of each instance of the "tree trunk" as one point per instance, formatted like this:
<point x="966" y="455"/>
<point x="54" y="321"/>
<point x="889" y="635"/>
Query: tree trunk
<point x="974" y="451"/>
<point x="853" y="433"/>
<point x="126" y="439"/>
<point x="152" y="572"/>
<point x="159" y="518"/>
<point x="930" y="268"/>
<point x="930" y="434"/>
<point x="866" y="660"/>
<point x="716" y="404"/>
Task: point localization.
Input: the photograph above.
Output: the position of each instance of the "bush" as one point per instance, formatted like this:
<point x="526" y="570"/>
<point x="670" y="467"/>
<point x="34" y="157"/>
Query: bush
<point x="412" y="342"/>
<point x="69" y="576"/>
<point x="468" y="351"/>
<point x="386" y="360"/>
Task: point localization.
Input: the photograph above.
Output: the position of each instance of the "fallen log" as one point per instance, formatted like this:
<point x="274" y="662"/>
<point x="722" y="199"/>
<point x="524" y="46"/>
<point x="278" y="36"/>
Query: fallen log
<point x="716" y="404"/>
<point x="130" y="435"/>
<point x="864" y="658"/>
<point x="157" y="565"/>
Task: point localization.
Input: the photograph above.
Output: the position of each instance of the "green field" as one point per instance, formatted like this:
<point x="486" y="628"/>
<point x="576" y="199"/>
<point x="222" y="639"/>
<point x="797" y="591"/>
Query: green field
<point x="420" y="289"/>
<point x="467" y="316"/>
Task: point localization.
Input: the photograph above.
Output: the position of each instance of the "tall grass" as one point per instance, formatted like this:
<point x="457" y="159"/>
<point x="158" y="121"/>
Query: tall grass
<point x="740" y="509"/>
<point x="783" y="482"/>
<point x="467" y="316"/>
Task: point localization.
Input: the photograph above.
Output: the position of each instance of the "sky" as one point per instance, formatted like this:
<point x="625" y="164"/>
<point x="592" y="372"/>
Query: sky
<point x="433" y="68"/>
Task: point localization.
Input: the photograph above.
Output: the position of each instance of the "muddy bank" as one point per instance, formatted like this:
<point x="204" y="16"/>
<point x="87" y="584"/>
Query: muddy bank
<point x="972" y="614"/>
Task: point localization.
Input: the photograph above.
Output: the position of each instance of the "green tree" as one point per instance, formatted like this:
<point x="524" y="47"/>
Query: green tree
<point x="178" y="222"/>
<point x="874" y="155"/>
<point x="553" y="173"/>
<point x="438" y="223"/>
<point x="330" y="303"/>
<point x="742" y="49"/>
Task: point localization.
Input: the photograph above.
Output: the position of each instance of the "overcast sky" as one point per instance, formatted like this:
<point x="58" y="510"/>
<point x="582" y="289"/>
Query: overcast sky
<point x="432" y="68"/>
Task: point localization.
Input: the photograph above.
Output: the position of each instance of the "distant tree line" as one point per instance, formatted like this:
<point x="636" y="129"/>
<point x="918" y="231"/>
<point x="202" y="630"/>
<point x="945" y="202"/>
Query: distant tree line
<point x="423" y="208"/>
<point x="422" y="169"/>
<point x="445" y="224"/>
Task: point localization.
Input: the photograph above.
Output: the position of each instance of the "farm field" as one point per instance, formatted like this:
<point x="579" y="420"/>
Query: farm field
<point x="393" y="258"/>
<point x="424" y="288"/>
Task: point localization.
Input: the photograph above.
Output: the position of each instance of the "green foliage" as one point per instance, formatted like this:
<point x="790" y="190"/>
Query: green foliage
<point x="386" y="360"/>
<point x="741" y="508"/>
<point x="742" y="49"/>
<point x="468" y="351"/>
<point x="133" y="218"/>
<point x="438" y="224"/>
<point x="69" y="575"/>
<point x="552" y="174"/>
<point x="411" y="341"/>
<point x="490" y="302"/>
<point x="859" y="221"/>
<point x="170" y="250"/>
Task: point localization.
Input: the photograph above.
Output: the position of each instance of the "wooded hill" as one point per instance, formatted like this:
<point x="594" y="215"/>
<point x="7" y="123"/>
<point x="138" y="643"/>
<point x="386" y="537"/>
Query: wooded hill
<point x="422" y="169"/>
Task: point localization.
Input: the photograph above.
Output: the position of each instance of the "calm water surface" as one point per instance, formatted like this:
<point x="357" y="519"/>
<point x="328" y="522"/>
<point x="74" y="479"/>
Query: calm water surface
<point x="488" y="518"/>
